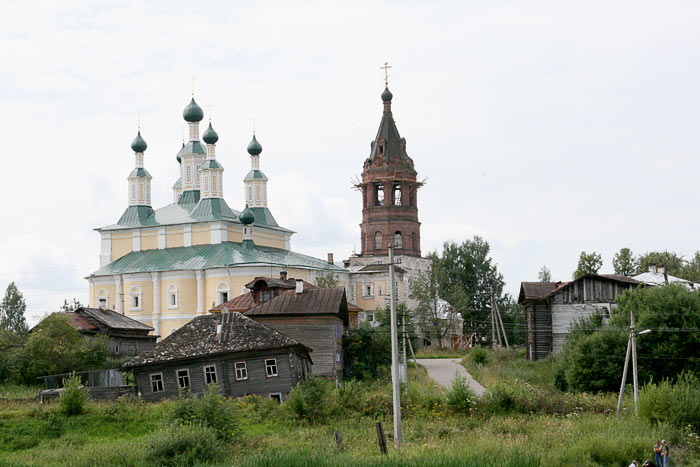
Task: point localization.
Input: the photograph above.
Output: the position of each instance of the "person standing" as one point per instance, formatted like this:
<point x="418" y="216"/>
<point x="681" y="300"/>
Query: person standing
<point x="664" y="452"/>
<point x="657" y="453"/>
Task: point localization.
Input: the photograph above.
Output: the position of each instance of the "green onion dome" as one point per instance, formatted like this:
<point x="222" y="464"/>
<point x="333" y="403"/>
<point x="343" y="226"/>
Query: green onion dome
<point x="139" y="144"/>
<point x="210" y="136"/>
<point x="193" y="113"/>
<point x="387" y="95"/>
<point x="179" y="154"/>
<point x="247" y="217"/>
<point x="254" y="148"/>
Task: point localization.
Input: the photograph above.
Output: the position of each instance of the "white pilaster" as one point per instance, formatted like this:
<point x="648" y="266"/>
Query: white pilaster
<point x="155" y="277"/>
<point x="217" y="233"/>
<point x="136" y="240"/>
<point x="200" y="291"/>
<point x="118" y="295"/>
<point x="188" y="235"/>
<point x="105" y="248"/>
<point x="161" y="237"/>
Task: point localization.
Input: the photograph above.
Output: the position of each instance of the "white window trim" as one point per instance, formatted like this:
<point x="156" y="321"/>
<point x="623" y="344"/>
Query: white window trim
<point x="162" y="381"/>
<point x="223" y="288"/>
<point x="235" y="371"/>
<point x="189" y="379"/>
<point x="172" y="291"/>
<point x="135" y="291"/>
<point x="102" y="294"/>
<point x="365" y="293"/>
<point x="276" y="394"/>
<point x="216" y="376"/>
<point x="277" y="370"/>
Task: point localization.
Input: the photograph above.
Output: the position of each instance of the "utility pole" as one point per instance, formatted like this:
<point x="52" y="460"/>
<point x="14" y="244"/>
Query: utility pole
<point x="405" y="360"/>
<point x="493" y="323"/>
<point x="500" y="320"/>
<point x="631" y="349"/>
<point x="396" y="388"/>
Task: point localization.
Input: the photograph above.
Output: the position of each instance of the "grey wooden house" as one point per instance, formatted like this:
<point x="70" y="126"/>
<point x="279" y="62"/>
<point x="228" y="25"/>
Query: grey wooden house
<point x="552" y="307"/>
<point x="237" y="353"/>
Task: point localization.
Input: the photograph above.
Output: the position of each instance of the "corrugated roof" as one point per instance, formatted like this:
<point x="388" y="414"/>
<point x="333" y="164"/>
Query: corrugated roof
<point x="242" y="303"/>
<point x="199" y="338"/>
<point x="330" y="301"/>
<point x="210" y="256"/>
<point x="264" y="217"/>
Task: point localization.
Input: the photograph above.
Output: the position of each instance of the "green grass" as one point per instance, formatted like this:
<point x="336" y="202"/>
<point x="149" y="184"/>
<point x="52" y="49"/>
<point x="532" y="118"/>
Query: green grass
<point x="18" y="392"/>
<point x="429" y="352"/>
<point x="509" y="366"/>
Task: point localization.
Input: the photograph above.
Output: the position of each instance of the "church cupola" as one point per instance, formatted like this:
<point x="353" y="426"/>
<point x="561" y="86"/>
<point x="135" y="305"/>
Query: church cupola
<point x="247" y="218"/>
<point x="256" y="181"/>
<point x="192" y="155"/>
<point x="212" y="171"/>
<point x="139" y="178"/>
<point x="389" y="191"/>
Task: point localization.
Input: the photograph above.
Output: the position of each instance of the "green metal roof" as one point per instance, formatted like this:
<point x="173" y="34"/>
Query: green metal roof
<point x="390" y="134"/>
<point x="212" y="209"/>
<point x="193" y="147"/>
<point x="189" y="199"/>
<point x="137" y="216"/>
<point x="208" y="257"/>
<point x="178" y="183"/>
<point x="255" y="175"/>
<point x="211" y="164"/>
<point x="263" y="217"/>
<point x="140" y="172"/>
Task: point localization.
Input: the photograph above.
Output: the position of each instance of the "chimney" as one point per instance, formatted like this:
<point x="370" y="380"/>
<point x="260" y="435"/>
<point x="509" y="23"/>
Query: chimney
<point x="283" y="275"/>
<point x="662" y="269"/>
<point x="330" y="258"/>
<point x="300" y="286"/>
<point x="652" y="268"/>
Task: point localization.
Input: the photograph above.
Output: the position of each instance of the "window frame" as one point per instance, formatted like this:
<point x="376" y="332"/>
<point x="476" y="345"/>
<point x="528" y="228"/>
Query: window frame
<point x="161" y="381"/>
<point x="103" y="295"/>
<point x="267" y="368"/>
<point x="204" y="370"/>
<point x="187" y="375"/>
<point x="223" y="288"/>
<point x="136" y="294"/>
<point x="172" y="293"/>
<point x="278" y="394"/>
<point x="245" y="369"/>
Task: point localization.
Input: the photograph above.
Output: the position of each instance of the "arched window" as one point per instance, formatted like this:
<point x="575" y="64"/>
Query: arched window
<point x="222" y="291"/>
<point x="378" y="241"/>
<point x="398" y="241"/>
<point x="414" y="241"/>
<point x="135" y="299"/>
<point x="102" y="299"/>
<point x="172" y="297"/>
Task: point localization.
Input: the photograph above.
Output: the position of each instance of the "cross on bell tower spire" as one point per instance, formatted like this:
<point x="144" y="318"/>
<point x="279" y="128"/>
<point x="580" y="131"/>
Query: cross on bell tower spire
<point x="386" y="73"/>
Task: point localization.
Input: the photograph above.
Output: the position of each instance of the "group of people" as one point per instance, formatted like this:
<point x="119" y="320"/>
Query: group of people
<point x="661" y="456"/>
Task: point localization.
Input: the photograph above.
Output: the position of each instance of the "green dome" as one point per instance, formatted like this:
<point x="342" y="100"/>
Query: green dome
<point x="387" y="95"/>
<point x="139" y="144"/>
<point x="254" y="148"/>
<point x="247" y="217"/>
<point x="193" y="113"/>
<point x="210" y="136"/>
<point x="179" y="154"/>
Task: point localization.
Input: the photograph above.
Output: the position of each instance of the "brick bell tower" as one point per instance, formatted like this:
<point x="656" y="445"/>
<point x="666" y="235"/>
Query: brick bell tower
<point x="389" y="192"/>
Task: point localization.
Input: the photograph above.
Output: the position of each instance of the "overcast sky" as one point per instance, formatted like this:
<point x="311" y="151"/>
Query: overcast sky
<point x="546" y="127"/>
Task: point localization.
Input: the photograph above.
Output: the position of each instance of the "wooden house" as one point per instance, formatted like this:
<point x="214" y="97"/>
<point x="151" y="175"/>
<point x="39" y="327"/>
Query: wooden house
<point x="237" y="353"/>
<point x="552" y="307"/>
<point x="127" y="337"/>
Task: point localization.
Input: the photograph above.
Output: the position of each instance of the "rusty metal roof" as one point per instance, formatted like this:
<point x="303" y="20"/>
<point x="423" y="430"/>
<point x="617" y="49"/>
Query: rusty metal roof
<point x="274" y="282"/>
<point x="199" y="338"/>
<point x="243" y="302"/>
<point x="543" y="290"/>
<point x="330" y="301"/>
<point x="113" y="320"/>
<point x="380" y="268"/>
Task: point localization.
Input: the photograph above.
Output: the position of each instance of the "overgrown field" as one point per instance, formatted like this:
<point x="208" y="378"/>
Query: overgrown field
<point x="440" y="428"/>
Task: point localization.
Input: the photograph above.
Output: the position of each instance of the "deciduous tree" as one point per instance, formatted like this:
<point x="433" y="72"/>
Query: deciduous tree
<point x="433" y="315"/>
<point x="545" y="275"/>
<point x="12" y="310"/>
<point x="588" y="263"/>
<point x="326" y="280"/>
<point x="624" y="262"/>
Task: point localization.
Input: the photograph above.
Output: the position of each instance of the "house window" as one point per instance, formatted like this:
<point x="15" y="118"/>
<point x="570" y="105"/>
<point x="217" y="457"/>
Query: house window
<point x="157" y="382"/>
<point x="135" y="299"/>
<point x="277" y="396"/>
<point x="183" y="378"/>
<point x="370" y="317"/>
<point x="338" y="356"/>
<point x="398" y="241"/>
<point x="222" y="290"/>
<point x="377" y="240"/>
<point x="172" y="297"/>
<point x="271" y="367"/>
<point x="116" y="349"/>
<point x="210" y="374"/>
<point x="241" y="371"/>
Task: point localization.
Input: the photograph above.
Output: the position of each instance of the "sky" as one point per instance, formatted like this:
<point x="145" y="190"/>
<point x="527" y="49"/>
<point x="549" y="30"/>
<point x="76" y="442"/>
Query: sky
<point x="546" y="127"/>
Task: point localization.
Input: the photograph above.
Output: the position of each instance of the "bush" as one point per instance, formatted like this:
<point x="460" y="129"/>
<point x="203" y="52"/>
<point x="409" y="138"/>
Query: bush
<point x="678" y="404"/>
<point x="310" y="399"/>
<point x="183" y="445"/>
<point x="72" y="399"/>
<point x="479" y="355"/>
<point x="210" y="411"/>
<point x="460" y="398"/>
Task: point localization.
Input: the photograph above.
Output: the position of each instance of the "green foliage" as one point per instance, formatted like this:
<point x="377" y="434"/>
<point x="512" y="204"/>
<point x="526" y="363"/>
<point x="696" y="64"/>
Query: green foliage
<point x="311" y="399"/>
<point x="588" y="263"/>
<point x="479" y="355"/>
<point x="671" y="261"/>
<point x="72" y="399"/>
<point x="513" y="316"/>
<point x="70" y="306"/>
<point x="210" y="411"/>
<point x="13" y="361"/>
<point x="624" y="262"/>
<point x="25" y="433"/>
<point x="594" y="362"/>
<point x="326" y="280"/>
<point x="460" y="397"/>
<point x="545" y="275"/>
<point x="12" y="310"/>
<point x="367" y="350"/>
<point x="674" y="403"/>
<point x="434" y="316"/>
<point x="183" y="445"/>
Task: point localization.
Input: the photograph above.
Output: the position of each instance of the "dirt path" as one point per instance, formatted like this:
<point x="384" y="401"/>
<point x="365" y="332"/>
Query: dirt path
<point x="442" y="371"/>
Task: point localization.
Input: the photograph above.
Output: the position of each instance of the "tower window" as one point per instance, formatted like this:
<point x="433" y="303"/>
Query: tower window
<point x="250" y="194"/>
<point x="213" y="183"/>
<point x="141" y="191"/>
<point x="415" y="241"/>
<point x="378" y="241"/>
<point x="148" y="192"/>
<point x="206" y="183"/>
<point x="379" y="190"/>
<point x="398" y="241"/>
<point x="257" y="192"/>
<point x="396" y="194"/>
<point x="196" y="169"/>
<point x="188" y="173"/>
<point x="133" y="191"/>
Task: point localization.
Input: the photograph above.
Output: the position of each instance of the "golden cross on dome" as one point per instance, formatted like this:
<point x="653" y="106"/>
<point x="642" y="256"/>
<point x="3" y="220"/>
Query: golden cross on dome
<point x="386" y="73"/>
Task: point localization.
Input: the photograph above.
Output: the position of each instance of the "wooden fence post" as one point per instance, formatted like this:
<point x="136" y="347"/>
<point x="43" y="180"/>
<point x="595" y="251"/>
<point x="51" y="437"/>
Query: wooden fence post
<point x="380" y="438"/>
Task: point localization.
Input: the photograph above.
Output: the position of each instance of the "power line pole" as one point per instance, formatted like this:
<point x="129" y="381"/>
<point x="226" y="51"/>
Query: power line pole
<point x="500" y="320"/>
<point x="403" y="333"/>
<point x="631" y="349"/>
<point x="396" y="388"/>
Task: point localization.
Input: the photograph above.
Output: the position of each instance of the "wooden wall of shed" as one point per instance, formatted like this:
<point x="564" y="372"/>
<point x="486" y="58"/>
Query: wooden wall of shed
<point x="538" y="322"/>
<point x="290" y="369"/>
<point x="590" y="290"/>
<point x="318" y="332"/>
<point x="124" y="346"/>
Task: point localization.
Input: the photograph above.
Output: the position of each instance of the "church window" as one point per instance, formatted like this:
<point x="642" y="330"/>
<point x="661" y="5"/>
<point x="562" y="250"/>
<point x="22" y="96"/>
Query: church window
<point x="172" y="297"/>
<point x="396" y="194"/>
<point x="188" y="173"/>
<point x="264" y="194"/>
<point x="222" y="291"/>
<point x="381" y="149"/>
<point x="135" y="299"/>
<point x="257" y="192"/>
<point x="102" y="299"/>
<point x="206" y="183"/>
<point x="250" y="194"/>
<point x="377" y="240"/>
<point x="213" y="183"/>
<point x="196" y="170"/>
<point x="379" y="191"/>
<point x="133" y="191"/>
<point x="148" y="192"/>
<point x="367" y="289"/>
<point x="398" y="243"/>
<point x="141" y="191"/>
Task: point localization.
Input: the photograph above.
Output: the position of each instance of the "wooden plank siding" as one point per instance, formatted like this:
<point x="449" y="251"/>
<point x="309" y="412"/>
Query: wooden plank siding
<point x="323" y="334"/>
<point x="291" y="368"/>
<point x="539" y="330"/>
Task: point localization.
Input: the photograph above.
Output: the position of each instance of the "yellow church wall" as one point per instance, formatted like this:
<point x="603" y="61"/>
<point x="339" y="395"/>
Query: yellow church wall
<point x="167" y="326"/>
<point x="295" y="273"/>
<point x="111" y="295"/>
<point x="235" y="284"/>
<point x="201" y="236"/>
<point x="146" y="295"/>
<point x="121" y="245"/>
<point x="277" y="242"/>
<point x="186" y="296"/>
<point x="149" y="239"/>
<point x="235" y="235"/>
<point x="174" y="238"/>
